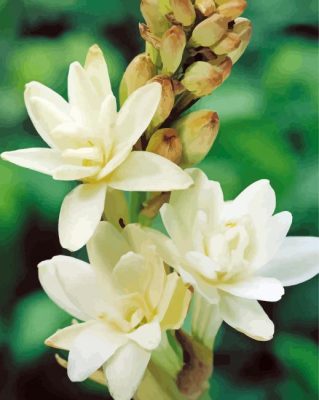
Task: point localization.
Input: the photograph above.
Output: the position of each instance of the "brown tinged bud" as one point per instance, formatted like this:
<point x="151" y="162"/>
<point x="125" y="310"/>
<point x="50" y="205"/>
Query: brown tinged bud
<point x="166" y="143"/>
<point x="184" y="11"/>
<point x="201" y="78"/>
<point x="172" y="48"/>
<point x="140" y="70"/>
<point x="197" y="132"/>
<point x="205" y="7"/>
<point x="229" y="42"/>
<point x="224" y="65"/>
<point x="243" y="29"/>
<point x="156" y="20"/>
<point x="149" y="36"/>
<point x="231" y="9"/>
<point x="209" y="31"/>
<point x="167" y="101"/>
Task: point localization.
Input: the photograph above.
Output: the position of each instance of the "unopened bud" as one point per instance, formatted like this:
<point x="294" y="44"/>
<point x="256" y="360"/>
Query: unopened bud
<point x="140" y="70"/>
<point x="224" y="65"/>
<point x="243" y="29"/>
<point x="206" y="7"/>
<point x="166" y="143"/>
<point x="231" y="9"/>
<point x="201" y="78"/>
<point x="167" y="101"/>
<point x="156" y="20"/>
<point x="197" y="131"/>
<point x="149" y="36"/>
<point x="172" y="48"/>
<point x="184" y="11"/>
<point x="209" y="31"/>
<point x="229" y="42"/>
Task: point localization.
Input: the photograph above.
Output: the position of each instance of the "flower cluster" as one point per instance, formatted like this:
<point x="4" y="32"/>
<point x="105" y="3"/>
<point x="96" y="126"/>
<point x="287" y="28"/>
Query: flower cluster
<point x="130" y="301"/>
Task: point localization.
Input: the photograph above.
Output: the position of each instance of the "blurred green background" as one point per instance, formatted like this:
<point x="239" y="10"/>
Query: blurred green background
<point x="268" y="111"/>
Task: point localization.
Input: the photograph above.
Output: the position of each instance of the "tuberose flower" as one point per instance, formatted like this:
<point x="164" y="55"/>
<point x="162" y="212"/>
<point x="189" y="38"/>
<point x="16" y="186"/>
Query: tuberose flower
<point x="93" y="143"/>
<point x="125" y="299"/>
<point x="235" y="253"/>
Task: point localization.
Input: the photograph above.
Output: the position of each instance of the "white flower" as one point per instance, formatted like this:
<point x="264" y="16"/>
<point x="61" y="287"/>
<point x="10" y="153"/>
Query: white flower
<point x="93" y="143"/>
<point x="235" y="253"/>
<point x="126" y="301"/>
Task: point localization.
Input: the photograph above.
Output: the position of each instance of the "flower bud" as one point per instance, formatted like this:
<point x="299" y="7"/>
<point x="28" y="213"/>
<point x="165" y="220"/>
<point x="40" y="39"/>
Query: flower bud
<point x="156" y="20"/>
<point x="172" y="48"/>
<point x="229" y="42"/>
<point x="209" y="31"/>
<point x="243" y="29"/>
<point x="167" y="101"/>
<point x="224" y="65"/>
<point x="197" y="131"/>
<point x="206" y="7"/>
<point x="184" y="11"/>
<point x="140" y="70"/>
<point x="231" y="9"/>
<point x="166" y="143"/>
<point x="201" y="78"/>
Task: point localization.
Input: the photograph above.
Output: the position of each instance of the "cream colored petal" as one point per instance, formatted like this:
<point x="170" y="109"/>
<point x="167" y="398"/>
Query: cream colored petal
<point x="80" y="214"/>
<point x="40" y="160"/>
<point x="201" y="264"/>
<point x="55" y="105"/>
<point x="113" y="163"/>
<point x="105" y="123"/>
<point x="148" y="336"/>
<point x="53" y="287"/>
<point x="144" y="171"/>
<point x="70" y="135"/>
<point x="175" y="227"/>
<point x="174" y="305"/>
<point x="73" y="172"/>
<point x="256" y="288"/>
<point x="91" y="349"/>
<point x="136" y="114"/>
<point x="136" y="237"/>
<point x="125" y="370"/>
<point x="64" y="338"/>
<point x="296" y="261"/>
<point x="97" y="71"/>
<point x="246" y="316"/>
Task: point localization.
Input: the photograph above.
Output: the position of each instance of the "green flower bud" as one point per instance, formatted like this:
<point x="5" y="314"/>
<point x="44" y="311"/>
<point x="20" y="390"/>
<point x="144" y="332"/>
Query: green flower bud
<point x="229" y="42"/>
<point x="206" y="7"/>
<point x="201" y="78"/>
<point x="172" y="48"/>
<point x="184" y="11"/>
<point x="231" y="9"/>
<point x="140" y="70"/>
<point x="243" y="29"/>
<point x="197" y="132"/>
<point x="155" y="19"/>
<point x="166" y="143"/>
<point x="209" y="31"/>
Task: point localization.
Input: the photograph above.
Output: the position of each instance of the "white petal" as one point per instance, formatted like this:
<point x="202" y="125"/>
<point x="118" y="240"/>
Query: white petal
<point x="175" y="227"/>
<point x="73" y="172"/>
<point x="257" y="200"/>
<point x="296" y="262"/>
<point x="256" y="287"/>
<point x="201" y="264"/>
<point x="144" y="171"/>
<point x="148" y="336"/>
<point x="80" y="214"/>
<point x="97" y="71"/>
<point x="70" y="135"/>
<point x="42" y="121"/>
<point x="114" y="162"/>
<point x="246" y="316"/>
<point x="136" y="114"/>
<point x="41" y="160"/>
<point x="125" y="370"/>
<point x="53" y="287"/>
<point x="91" y="349"/>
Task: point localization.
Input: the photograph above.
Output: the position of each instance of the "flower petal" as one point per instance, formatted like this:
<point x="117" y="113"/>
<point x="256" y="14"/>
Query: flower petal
<point x="37" y="159"/>
<point x="148" y="336"/>
<point x="256" y="287"/>
<point x="97" y="71"/>
<point x="53" y="287"/>
<point x="125" y="370"/>
<point x="80" y="214"/>
<point x="173" y="307"/>
<point x="144" y="171"/>
<point x="201" y="264"/>
<point x="296" y="262"/>
<point x="246" y="316"/>
<point x="45" y="119"/>
<point x="73" y="172"/>
<point x="136" y="114"/>
<point x="91" y="349"/>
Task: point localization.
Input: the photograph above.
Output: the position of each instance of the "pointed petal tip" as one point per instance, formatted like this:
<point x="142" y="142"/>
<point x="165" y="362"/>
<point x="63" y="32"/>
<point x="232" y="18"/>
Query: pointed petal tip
<point x="95" y="48"/>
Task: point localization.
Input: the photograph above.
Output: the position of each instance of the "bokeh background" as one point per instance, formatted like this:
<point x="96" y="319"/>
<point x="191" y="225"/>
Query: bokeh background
<point x="268" y="111"/>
